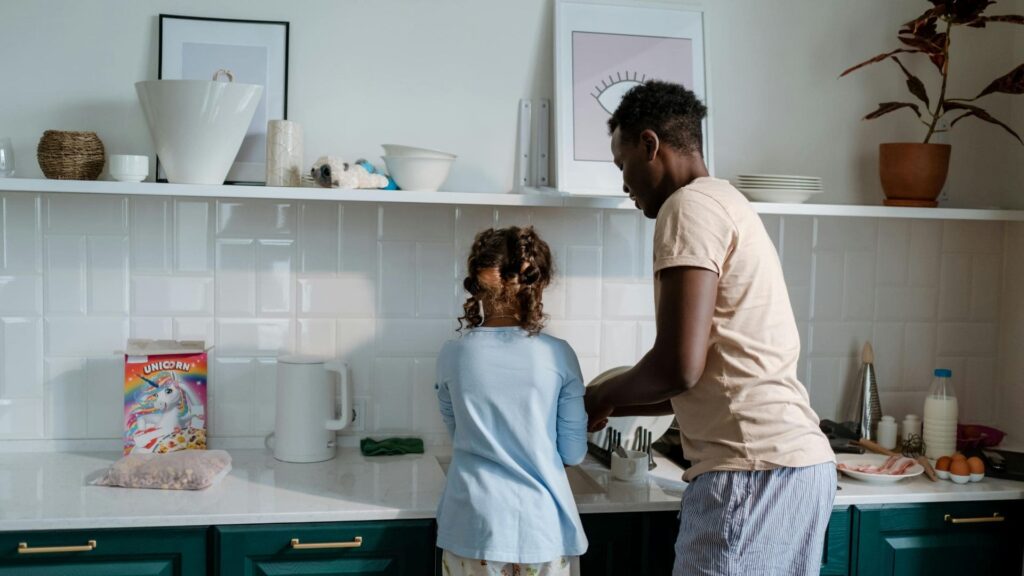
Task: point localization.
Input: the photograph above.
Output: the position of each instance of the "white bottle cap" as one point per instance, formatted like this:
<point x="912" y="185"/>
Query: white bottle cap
<point x="887" y="418"/>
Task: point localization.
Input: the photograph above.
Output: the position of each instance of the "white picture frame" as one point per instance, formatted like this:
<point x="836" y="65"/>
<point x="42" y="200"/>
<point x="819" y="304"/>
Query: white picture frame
<point x="610" y="48"/>
<point x="256" y="52"/>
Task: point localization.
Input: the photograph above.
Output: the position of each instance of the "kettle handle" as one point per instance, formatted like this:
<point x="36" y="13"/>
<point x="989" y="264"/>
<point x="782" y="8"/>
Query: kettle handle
<point x="346" y="396"/>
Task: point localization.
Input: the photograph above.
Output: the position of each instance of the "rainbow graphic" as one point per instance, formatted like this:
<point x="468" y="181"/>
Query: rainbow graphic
<point x="165" y="402"/>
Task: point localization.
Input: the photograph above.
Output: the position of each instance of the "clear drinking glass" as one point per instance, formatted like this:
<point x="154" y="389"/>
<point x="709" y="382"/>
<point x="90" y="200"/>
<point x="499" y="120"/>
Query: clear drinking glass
<point x="6" y="158"/>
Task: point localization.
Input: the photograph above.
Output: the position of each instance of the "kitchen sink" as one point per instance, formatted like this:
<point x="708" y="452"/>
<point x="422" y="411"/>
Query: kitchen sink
<point x="579" y="481"/>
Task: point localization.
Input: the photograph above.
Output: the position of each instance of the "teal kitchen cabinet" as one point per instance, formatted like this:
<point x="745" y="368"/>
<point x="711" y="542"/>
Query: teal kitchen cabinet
<point x="392" y="548"/>
<point x="943" y="538"/>
<point x="629" y="543"/>
<point x="835" y="558"/>
<point x="144" y="552"/>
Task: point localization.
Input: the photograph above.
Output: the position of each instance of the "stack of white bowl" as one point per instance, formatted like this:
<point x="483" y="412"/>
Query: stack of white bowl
<point x="778" y="188"/>
<point x="417" y="168"/>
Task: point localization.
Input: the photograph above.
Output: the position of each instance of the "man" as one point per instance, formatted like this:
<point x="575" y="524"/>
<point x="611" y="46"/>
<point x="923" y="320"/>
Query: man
<point x="724" y="360"/>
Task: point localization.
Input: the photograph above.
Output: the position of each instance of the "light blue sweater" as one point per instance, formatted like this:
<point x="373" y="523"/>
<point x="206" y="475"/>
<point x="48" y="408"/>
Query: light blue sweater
<point x="514" y="406"/>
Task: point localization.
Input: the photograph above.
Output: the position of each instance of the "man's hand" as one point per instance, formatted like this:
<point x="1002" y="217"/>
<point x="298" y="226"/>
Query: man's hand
<point x="597" y="411"/>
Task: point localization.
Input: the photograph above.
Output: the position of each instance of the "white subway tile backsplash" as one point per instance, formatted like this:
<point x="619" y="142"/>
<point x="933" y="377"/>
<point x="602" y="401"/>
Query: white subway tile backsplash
<point x="918" y="356"/>
<point x="773" y="226"/>
<point x="263" y="337"/>
<point x="172" y="295"/>
<point x="893" y="250"/>
<point x="839" y="338"/>
<point x="986" y="283"/>
<point x="398" y="291"/>
<point x="319" y="237"/>
<point x="925" y="252"/>
<point x="236" y="278"/>
<point x="393" y="378"/>
<point x="231" y="395"/>
<point x="65" y="284"/>
<point x="569" y="227"/>
<point x="152" y="234"/>
<point x="195" y="329"/>
<point x="824" y="386"/>
<point x="851" y="234"/>
<point x="973" y="237"/>
<point x="350" y="295"/>
<point x="859" y="286"/>
<point x="22" y="419"/>
<point x="67" y="399"/>
<point x="22" y="233"/>
<point x="20" y="295"/>
<point x="828" y="285"/>
<point x="152" y="328"/>
<point x="647" y="241"/>
<point x="583" y="282"/>
<point x="979" y="391"/>
<point x="356" y="342"/>
<point x="417" y="223"/>
<point x="619" y="344"/>
<point x="426" y="414"/>
<point x="107" y="273"/>
<point x="193" y="234"/>
<point x="86" y="214"/>
<point x="264" y="398"/>
<point x="21" y="344"/>
<point x="628" y="300"/>
<point x="906" y="302"/>
<point x="797" y="239"/>
<point x="967" y="339"/>
<point x="955" y="288"/>
<point x="584" y="337"/>
<point x="887" y="342"/>
<point x="514" y="216"/>
<point x="421" y="338"/>
<point x="104" y="384"/>
<point x="84" y="337"/>
<point x="275" y="273"/>
<point x="360" y="229"/>
<point x="255" y="219"/>
<point x="622" y="247"/>
<point x="316" y="337"/>
<point x="436" y="283"/>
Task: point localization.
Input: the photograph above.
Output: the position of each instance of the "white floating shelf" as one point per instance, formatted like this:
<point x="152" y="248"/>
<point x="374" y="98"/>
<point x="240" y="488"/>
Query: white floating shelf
<point x="530" y="198"/>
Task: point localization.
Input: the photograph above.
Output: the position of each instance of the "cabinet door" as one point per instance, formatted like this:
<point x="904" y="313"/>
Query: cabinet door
<point x="835" y="558"/>
<point x="930" y="539"/>
<point x="631" y="543"/>
<point x="148" y="552"/>
<point x="352" y="548"/>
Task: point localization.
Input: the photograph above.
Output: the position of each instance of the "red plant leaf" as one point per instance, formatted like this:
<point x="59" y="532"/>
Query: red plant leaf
<point x="878" y="58"/>
<point x="965" y="11"/>
<point x="914" y="84"/>
<point x="1010" y="18"/>
<point x="886" y="107"/>
<point x="971" y="110"/>
<point x="1011" y="83"/>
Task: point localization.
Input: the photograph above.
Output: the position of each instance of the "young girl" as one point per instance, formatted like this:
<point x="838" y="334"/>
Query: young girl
<point x="513" y="401"/>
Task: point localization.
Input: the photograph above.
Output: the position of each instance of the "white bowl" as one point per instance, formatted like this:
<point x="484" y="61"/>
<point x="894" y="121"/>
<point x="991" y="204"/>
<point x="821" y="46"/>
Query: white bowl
<point x="418" y="173"/>
<point x="783" y="195"/>
<point x="395" y="150"/>
<point x="197" y="125"/>
<point x="128" y="167"/>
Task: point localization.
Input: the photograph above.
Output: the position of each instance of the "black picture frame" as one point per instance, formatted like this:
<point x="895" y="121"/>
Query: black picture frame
<point x="253" y="171"/>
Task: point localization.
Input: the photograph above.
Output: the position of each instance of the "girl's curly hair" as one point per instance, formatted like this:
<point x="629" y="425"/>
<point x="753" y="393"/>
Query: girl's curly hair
<point x="523" y="261"/>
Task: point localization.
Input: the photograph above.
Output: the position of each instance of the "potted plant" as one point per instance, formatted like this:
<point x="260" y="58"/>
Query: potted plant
<point x="913" y="174"/>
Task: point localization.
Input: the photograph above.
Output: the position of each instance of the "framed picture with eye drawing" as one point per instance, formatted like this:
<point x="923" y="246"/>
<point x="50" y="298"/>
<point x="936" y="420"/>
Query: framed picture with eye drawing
<point x="601" y="51"/>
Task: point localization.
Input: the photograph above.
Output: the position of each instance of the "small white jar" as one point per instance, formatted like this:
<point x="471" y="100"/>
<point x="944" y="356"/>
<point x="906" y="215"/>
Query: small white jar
<point x="887" y="432"/>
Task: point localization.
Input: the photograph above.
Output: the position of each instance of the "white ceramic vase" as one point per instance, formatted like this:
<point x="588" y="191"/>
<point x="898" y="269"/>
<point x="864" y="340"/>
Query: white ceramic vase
<point x="197" y="125"/>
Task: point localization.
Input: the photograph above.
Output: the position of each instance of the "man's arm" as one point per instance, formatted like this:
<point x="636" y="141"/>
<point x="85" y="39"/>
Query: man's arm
<point x="659" y="409"/>
<point x="674" y="365"/>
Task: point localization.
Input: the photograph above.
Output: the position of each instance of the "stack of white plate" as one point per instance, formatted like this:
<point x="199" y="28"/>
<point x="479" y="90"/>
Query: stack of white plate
<point x="778" y="188"/>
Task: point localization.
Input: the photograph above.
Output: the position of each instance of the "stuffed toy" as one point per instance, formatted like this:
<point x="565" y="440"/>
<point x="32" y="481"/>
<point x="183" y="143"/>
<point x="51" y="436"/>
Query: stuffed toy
<point x="333" y="172"/>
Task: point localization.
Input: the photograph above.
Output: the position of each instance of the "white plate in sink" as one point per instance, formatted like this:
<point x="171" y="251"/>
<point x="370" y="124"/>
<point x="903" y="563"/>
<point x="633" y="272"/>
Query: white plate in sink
<point x="627" y="425"/>
<point x="875" y="460"/>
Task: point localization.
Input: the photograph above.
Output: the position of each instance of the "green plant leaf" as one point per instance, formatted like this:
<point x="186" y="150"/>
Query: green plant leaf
<point x="971" y="110"/>
<point x="886" y="107"/>
<point x="878" y="58"/>
<point x="1010" y="18"/>
<point x="1011" y="83"/>
<point x="914" y="84"/>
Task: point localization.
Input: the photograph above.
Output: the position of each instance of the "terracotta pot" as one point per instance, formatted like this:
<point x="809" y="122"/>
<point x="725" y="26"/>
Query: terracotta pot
<point x="912" y="174"/>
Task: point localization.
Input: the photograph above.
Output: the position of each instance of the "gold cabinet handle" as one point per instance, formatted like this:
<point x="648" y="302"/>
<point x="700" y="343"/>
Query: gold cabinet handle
<point x="995" y="517"/>
<point x="355" y="543"/>
<point x="24" y="548"/>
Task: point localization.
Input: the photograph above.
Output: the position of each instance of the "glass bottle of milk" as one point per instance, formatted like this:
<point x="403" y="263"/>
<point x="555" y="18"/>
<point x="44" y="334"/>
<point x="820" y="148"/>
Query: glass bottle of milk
<point x="940" y="415"/>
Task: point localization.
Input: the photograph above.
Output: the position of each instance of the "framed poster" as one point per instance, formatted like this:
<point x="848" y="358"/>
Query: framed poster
<point x="601" y="51"/>
<point x="255" y="51"/>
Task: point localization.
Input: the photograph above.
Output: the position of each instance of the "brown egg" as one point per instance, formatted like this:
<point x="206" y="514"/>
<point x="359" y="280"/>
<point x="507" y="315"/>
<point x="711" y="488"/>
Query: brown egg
<point x="959" y="468"/>
<point x="976" y="465"/>
<point x="959" y="456"/>
<point x="943" y="463"/>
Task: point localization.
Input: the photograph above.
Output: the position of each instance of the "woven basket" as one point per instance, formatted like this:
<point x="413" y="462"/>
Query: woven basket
<point x="70" y="155"/>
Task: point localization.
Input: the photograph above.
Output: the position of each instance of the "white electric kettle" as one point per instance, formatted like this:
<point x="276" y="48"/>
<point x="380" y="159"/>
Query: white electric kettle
<point x="310" y="409"/>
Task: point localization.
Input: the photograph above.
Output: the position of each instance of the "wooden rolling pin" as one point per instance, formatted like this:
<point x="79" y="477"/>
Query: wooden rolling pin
<point x="922" y="460"/>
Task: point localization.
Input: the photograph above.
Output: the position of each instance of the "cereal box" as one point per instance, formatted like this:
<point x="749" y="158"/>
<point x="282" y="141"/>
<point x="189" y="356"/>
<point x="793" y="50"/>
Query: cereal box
<point x="164" y="396"/>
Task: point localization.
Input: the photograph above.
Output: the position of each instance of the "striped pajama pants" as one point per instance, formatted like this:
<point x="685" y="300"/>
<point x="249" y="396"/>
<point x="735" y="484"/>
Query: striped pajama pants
<point x="758" y="523"/>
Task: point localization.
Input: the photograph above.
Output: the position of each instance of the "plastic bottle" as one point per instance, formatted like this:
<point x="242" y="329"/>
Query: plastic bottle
<point x="940" y="416"/>
<point x="887" y="432"/>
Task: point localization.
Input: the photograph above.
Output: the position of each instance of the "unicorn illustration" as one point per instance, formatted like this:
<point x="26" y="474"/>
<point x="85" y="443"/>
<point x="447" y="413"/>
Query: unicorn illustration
<point x="165" y="410"/>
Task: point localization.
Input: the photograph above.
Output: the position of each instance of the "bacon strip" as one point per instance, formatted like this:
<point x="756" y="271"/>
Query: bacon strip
<point x="893" y="466"/>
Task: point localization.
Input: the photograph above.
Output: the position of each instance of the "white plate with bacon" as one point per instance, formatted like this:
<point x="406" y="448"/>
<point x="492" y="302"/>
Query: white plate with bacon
<point x="878" y="469"/>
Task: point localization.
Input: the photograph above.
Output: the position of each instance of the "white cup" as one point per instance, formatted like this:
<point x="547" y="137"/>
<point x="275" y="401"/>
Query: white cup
<point x="632" y="468"/>
<point x="128" y="167"/>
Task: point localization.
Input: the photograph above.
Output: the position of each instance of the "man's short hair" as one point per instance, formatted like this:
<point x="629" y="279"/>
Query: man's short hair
<point x="670" y="110"/>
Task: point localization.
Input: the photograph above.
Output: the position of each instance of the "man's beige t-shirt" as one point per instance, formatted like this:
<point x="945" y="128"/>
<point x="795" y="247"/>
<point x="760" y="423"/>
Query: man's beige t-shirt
<point x="748" y="411"/>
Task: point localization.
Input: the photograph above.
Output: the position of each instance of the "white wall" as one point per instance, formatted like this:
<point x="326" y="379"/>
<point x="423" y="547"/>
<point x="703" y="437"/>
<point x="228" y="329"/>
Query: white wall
<point x="449" y="74"/>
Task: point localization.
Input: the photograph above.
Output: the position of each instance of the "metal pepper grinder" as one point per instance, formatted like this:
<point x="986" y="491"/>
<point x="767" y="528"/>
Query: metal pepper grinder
<point x="870" y="407"/>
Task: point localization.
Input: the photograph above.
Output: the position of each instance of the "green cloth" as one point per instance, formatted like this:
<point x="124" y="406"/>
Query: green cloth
<point x="390" y="446"/>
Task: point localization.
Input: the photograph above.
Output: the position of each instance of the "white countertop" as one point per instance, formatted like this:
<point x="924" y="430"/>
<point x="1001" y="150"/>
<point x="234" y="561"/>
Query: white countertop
<point x="51" y="491"/>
